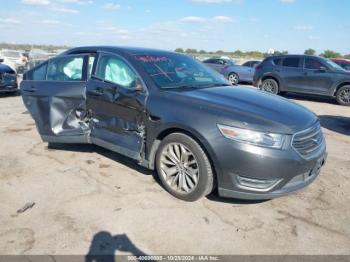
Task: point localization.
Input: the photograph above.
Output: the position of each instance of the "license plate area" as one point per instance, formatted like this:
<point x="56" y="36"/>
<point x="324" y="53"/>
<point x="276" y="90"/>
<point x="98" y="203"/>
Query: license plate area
<point x="317" y="169"/>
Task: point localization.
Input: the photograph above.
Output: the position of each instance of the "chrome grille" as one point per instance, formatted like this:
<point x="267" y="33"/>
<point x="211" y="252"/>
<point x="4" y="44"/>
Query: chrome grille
<point x="309" y="141"/>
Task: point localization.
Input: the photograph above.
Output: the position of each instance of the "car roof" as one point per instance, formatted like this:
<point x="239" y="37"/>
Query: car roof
<point x="116" y="49"/>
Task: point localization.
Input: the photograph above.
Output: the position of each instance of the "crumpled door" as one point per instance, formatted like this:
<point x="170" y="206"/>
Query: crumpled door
<point x="58" y="108"/>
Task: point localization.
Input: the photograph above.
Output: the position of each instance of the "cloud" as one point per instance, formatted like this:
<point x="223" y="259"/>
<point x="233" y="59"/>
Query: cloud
<point x="36" y="2"/>
<point x="64" y="10"/>
<point x="193" y="19"/>
<point x="202" y="20"/>
<point x="50" y="22"/>
<point x="224" y="19"/>
<point x="303" y="27"/>
<point x="112" y="6"/>
<point x="216" y="1"/>
<point x="80" y="2"/>
<point x="313" y="37"/>
<point x="10" y="21"/>
<point x="287" y="1"/>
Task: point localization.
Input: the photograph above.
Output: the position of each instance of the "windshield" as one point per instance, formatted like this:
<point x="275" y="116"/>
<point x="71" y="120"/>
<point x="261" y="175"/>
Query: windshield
<point x="332" y="64"/>
<point x="11" y="54"/>
<point x="179" y="71"/>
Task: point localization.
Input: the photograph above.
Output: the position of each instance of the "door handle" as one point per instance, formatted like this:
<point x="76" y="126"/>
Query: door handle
<point x="31" y="90"/>
<point x="96" y="92"/>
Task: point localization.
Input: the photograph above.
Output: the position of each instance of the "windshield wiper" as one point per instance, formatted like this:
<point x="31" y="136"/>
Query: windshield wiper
<point x="213" y="85"/>
<point x="195" y="86"/>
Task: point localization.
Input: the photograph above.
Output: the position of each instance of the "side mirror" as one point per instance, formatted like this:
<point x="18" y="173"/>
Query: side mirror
<point x="322" y="69"/>
<point x="138" y="85"/>
<point x="1" y="60"/>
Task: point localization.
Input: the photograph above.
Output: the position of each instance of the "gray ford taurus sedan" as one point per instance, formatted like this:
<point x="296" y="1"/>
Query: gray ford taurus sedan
<point x="171" y="113"/>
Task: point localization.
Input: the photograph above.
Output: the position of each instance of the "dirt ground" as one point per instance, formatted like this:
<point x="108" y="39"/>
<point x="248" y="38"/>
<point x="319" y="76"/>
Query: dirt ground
<point x="90" y="200"/>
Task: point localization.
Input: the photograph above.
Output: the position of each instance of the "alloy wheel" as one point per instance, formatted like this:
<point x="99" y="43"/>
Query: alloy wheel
<point x="179" y="168"/>
<point x="269" y="86"/>
<point x="233" y="78"/>
<point x="344" y="96"/>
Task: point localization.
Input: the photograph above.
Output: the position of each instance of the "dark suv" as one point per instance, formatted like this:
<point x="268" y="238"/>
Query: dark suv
<point x="303" y="74"/>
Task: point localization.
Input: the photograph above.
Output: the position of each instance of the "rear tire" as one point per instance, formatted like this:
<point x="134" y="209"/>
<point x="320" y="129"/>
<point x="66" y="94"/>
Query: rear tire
<point x="343" y="95"/>
<point x="184" y="168"/>
<point x="270" y="85"/>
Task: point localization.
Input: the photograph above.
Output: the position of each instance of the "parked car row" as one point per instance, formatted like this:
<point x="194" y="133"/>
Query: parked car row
<point x="14" y="59"/>
<point x="303" y="74"/>
<point x="172" y="113"/>
<point x="291" y="73"/>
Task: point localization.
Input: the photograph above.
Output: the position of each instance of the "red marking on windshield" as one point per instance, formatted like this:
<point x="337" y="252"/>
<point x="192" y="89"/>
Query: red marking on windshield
<point x="149" y="58"/>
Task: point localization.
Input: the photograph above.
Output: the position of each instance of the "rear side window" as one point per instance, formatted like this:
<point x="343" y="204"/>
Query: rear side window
<point x="209" y="61"/>
<point x="67" y="68"/>
<point x="37" y="73"/>
<point x="276" y="61"/>
<point x="291" y="62"/>
<point x="115" y="70"/>
<point x="311" y="63"/>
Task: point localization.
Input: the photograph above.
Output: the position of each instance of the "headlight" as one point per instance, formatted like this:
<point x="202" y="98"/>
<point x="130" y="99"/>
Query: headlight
<point x="252" y="137"/>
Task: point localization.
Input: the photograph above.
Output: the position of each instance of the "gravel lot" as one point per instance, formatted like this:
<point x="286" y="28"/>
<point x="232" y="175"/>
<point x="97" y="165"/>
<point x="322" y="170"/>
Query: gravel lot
<point x="88" y="199"/>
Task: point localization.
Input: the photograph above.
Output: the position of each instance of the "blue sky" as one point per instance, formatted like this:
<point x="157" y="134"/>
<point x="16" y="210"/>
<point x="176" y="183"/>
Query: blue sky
<point x="292" y="25"/>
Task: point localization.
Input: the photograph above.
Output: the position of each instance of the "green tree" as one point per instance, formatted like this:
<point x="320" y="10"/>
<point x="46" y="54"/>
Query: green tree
<point x="310" y="51"/>
<point x="179" y="50"/>
<point x="347" y="56"/>
<point x="238" y="53"/>
<point x="255" y="54"/>
<point x="330" y="54"/>
<point x="191" y="51"/>
<point x="202" y="51"/>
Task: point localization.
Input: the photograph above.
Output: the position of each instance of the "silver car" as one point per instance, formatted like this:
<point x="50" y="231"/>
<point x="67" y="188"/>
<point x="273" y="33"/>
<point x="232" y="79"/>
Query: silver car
<point x="234" y="73"/>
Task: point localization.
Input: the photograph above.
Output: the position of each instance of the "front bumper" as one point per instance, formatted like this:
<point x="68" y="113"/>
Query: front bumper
<point x="8" y="88"/>
<point x="286" y="169"/>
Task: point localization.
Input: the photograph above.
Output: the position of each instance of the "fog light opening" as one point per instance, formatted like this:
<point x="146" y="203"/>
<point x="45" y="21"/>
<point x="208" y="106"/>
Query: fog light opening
<point x="257" y="184"/>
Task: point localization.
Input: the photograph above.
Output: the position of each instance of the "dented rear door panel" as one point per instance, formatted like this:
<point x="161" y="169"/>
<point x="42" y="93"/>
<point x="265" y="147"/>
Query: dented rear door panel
<point x="58" y="108"/>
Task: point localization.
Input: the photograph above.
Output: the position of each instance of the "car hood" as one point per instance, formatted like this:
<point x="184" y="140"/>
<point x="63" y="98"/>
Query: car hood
<point x="343" y="73"/>
<point x="249" y="108"/>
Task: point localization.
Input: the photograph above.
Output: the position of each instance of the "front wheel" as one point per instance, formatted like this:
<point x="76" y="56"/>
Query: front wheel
<point x="184" y="168"/>
<point x="233" y="78"/>
<point x="270" y="85"/>
<point x="343" y="95"/>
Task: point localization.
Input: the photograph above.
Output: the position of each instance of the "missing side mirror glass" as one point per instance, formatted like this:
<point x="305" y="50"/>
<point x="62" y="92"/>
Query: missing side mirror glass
<point x="322" y="69"/>
<point x="138" y="85"/>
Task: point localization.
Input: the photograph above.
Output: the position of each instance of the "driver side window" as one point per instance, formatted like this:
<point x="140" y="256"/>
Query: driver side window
<point x="115" y="70"/>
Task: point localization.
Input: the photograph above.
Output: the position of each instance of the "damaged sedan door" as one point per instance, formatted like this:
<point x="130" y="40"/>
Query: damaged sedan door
<point x="116" y="105"/>
<point x="54" y="94"/>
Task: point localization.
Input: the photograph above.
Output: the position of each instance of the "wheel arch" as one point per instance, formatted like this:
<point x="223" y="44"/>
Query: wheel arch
<point x="192" y="134"/>
<point x="340" y="85"/>
<point x="271" y="77"/>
